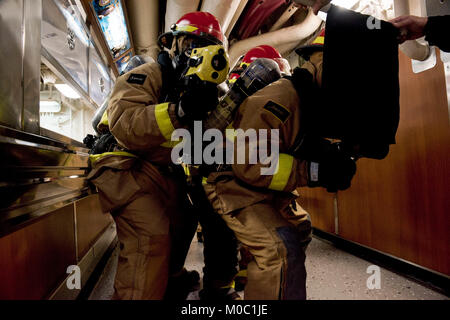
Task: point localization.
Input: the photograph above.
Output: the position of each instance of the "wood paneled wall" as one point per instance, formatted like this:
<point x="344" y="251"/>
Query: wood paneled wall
<point x="400" y="205"/>
<point x="91" y="221"/>
<point x="320" y="206"/>
<point x="34" y="259"/>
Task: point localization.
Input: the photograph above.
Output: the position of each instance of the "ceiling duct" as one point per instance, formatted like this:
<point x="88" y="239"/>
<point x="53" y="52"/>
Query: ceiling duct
<point x="284" y="40"/>
<point x="144" y="22"/>
<point x="223" y="10"/>
<point x="287" y="14"/>
<point x="237" y="13"/>
<point x="177" y="8"/>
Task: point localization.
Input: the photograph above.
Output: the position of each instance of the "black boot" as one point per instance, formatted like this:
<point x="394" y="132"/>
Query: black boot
<point x="179" y="286"/>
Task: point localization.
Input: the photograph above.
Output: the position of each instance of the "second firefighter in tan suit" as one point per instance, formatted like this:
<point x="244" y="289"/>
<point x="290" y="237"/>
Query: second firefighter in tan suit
<point x="257" y="207"/>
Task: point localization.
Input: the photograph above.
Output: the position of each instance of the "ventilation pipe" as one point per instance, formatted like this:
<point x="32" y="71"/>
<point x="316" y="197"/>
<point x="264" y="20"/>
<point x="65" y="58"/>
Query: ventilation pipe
<point x="413" y="48"/>
<point x="223" y="10"/>
<point x="144" y="22"/>
<point x="237" y="14"/>
<point x="177" y="8"/>
<point x="287" y="14"/>
<point x="284" y="40"/>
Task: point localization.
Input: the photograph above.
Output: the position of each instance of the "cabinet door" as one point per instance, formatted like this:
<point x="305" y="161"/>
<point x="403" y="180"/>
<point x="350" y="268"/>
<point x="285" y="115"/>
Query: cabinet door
<point x="99" y="79"/>
<point x="65" y="39"/>
<point x="11" y="90"/>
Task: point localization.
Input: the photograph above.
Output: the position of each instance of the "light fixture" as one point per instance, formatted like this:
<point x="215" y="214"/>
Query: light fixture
<point x="49" y="106"/>
<point x="67" y="91"/>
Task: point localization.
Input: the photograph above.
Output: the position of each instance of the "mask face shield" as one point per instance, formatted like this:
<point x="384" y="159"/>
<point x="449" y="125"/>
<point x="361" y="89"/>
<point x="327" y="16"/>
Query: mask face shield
<point x="183" y="50"/>
<point x="284" y="65"/>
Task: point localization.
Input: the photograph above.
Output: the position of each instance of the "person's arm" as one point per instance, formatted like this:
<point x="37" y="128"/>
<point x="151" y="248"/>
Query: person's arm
<point x="434" y="29"/>
<point x="135" y="118"/>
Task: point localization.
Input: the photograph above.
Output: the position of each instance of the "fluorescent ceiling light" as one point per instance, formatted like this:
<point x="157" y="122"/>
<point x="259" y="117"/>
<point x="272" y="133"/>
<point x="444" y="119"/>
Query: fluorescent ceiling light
<point x="49" y="106"/>
<point x="67" y="91"/>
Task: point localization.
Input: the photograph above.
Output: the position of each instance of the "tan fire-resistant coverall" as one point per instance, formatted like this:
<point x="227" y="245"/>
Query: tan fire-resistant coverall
<point x="256" y="207"/>
<point x="137" y="186"/>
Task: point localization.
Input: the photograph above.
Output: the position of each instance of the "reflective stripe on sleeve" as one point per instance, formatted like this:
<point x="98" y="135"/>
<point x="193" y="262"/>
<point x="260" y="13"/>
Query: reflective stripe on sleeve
<point x="104" y="119"/>
<point x="95" y="157"/>
<point x="163" y="119"/>
<point x="282" y="173"/>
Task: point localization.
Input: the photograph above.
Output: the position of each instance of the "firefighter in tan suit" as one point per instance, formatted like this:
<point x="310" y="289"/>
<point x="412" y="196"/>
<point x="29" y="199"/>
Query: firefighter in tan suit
<point x="136" y="180"/>
<point x="260" y="208"/>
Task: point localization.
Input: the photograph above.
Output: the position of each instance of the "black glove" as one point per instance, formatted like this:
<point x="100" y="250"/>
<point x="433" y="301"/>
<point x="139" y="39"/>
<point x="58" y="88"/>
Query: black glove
<point x="328" y="166"/>
<point x="105" y="143"/>
<point x="195" y="104"/>
<point x="302" y="79"/>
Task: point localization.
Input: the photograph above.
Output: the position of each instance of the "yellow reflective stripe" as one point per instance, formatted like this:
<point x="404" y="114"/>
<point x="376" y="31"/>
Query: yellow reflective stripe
<point x="230" y="133"/>
<point x="163" y="119"/>
<point x="319" y="40"/>
<point x="186" y="28"/>
<point x="95" y="157"/>
<point x="204" y="181"/>
<point x="230" y="285"/>
<point x="104" y="119"/>
<point x="282" y="173"/>
<point x="187" y="172"/>
<point x="242" y="273"/>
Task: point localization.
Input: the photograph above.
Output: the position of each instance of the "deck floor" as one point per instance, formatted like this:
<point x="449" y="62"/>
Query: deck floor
<point x="332" y="275"/>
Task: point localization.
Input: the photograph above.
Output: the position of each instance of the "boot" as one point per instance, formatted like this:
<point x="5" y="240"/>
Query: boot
<point x="227" y="293"/>
<point x="179" y="285"/>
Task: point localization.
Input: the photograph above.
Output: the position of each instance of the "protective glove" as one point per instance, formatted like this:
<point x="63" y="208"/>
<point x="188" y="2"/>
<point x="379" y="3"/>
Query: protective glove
<point x="195" y="104"/>
<point x="327" y="165"/>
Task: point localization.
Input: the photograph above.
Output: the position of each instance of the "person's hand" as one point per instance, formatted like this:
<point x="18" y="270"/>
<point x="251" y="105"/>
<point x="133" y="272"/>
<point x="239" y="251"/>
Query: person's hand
<point x="319" y="4"/>
<point x="195" y="104"/>
<point x="411" y="27"/>
<point x="327" y="165"/>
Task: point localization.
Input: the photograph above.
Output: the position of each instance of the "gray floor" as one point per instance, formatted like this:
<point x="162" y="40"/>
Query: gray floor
<point x="332" y="275"/>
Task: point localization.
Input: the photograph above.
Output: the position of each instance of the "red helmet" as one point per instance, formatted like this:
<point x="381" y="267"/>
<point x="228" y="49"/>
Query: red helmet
<point x="200" y="24"/>
<point x="263" y="51"/>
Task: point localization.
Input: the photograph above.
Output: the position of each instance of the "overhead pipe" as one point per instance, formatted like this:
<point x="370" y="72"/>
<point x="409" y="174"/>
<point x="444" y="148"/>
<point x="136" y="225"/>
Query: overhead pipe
<point x="237" y="14"/>
<point x="287" y="14"/>
<point x="412" y="48"/>
<point x="177" y="8"/>
<point x="284" y="39"/>
<point x="143" y="16"/>
<point x="223" y="10"/>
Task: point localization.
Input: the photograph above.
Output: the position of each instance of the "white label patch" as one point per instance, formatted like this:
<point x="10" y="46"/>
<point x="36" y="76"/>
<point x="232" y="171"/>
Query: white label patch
<point x="314" y="171"/>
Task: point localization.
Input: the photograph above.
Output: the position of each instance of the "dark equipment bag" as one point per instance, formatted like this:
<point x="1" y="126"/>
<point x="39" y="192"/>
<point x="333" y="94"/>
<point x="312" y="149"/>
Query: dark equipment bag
<point x="360" y="82"/>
